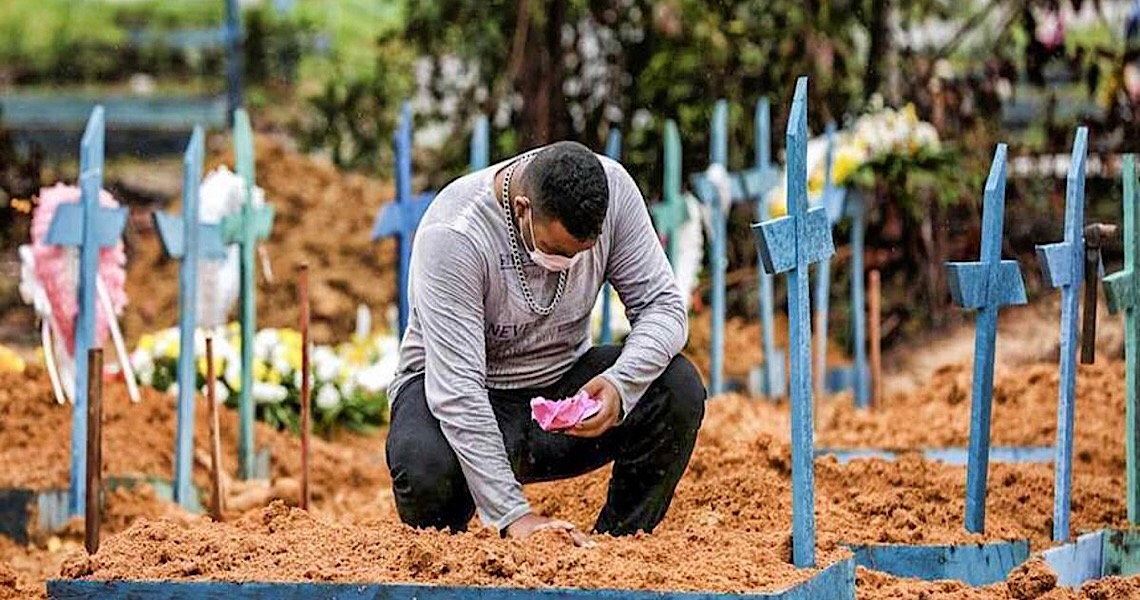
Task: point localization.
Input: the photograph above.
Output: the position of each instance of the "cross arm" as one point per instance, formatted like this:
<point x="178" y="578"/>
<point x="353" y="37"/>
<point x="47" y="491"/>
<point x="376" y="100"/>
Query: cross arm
<point x="170" y="232"/>
<point x="66" y="227"/>
<point x="1057" y="263"/>
<point x="261" y="223"/>
<point x="969" y="287"/>
<point x="780" y="251"/>
<point x="1120" y="291"/>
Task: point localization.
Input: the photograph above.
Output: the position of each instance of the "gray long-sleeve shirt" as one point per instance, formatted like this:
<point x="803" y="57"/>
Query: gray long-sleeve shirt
<point x="470" y="327"/>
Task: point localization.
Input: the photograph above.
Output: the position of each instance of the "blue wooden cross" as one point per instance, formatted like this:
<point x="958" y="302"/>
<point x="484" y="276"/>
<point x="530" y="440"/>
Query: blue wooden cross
<point x="757" y="182"/>
<point x="832" y="202"/>
<point x="91" y="227"/>
<point x="187" y="239"/>
<point x="790" y="245"/>
<point x="986" y="286"/>
<point x="400" y="217"/>
<point x="1063" y="266"/>
<point x="1122" y="289"/>
<point x="480" y="144"/>
<point x="232" y="33"/>
<point x="613" y="150"/>
<point x="707" y="192"/>
<point x="672" y="211"/>
<point x="246" y="229"/>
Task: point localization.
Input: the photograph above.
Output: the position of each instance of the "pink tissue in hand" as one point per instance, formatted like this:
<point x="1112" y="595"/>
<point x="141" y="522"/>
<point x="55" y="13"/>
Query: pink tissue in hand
<point x="555" y="415"/>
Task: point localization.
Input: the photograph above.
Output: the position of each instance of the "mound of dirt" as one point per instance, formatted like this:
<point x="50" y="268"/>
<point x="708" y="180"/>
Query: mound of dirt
<point x="323" y="217"/>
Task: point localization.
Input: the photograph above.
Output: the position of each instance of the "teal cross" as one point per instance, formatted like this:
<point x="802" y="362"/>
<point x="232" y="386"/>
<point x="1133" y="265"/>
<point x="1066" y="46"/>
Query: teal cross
<point x="1122" y="289"/>
<point x="246" y="229"/>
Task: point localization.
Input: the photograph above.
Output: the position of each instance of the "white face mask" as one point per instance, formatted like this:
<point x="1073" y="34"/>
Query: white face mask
<point x="550" y="262"/>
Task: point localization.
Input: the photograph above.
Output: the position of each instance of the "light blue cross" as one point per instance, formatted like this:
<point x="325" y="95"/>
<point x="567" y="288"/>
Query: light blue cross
<point x="246" y="229"/>
<point x="480" y="144"/>
<point x="613" y="150"/>
<point x="1063" y="266"/>
<point x="790" y="245"/>
<point x="986" y="286"/>
<point x="401" y="217"/>
<point x="91" y="227"/>
<point x="756" y="183"/>
<point x="186" y="239"/>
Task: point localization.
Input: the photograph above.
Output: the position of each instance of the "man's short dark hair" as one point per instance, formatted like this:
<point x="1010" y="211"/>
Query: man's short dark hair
<point x="566" y="182"/>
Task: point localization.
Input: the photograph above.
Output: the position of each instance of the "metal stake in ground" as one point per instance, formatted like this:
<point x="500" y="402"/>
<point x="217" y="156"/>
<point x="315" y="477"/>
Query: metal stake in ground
<point x="91" y="227"/>
<point x="986" y="286"/>
<point x="216" y="508"/>
<point x="876" y="339"/>
<point x="480" y="144"/>
<point x="189" y="241"/>
<point x="246" y="229"/>
<point x="790" y="245"/>
<point x="94" y="448"/>
<point x="613" y="150"/>
<point x="306" y="389"/>
<point x="400" y="217"/>
<point x="1062" y="265"/>
<point x="671" y="212"/>
<point x="1122" y="290"/>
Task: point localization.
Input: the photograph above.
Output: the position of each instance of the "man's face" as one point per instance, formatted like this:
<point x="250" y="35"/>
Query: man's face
<point x="550" y="236"/>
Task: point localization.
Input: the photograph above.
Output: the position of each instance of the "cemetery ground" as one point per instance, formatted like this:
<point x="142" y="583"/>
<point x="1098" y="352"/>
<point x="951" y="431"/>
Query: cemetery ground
<point x="728" y="529"/>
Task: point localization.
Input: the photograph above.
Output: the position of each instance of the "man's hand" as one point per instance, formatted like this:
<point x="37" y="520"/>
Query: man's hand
<point x="606" y="417"/>
<point x="531" y="523"/>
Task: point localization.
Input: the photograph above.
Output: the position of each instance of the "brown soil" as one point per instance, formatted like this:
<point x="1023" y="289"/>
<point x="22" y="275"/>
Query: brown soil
<point x="731" y="512"/>
<point x="138" y="439"/>
<point x="1024" y="414"/>
<point x="1033" y="581"/>
<point x="323" y="216"/>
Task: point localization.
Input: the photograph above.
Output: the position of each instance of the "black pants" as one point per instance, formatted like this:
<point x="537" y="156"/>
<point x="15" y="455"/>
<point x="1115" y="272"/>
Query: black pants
<point x="650" y="449"/>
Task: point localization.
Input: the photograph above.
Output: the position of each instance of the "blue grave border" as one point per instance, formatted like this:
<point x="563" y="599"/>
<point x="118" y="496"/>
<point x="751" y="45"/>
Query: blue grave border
<point x="834" y="582"/>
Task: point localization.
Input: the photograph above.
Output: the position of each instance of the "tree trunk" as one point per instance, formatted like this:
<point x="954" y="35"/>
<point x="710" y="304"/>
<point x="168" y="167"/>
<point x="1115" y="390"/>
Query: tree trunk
<point x="879" y="58"/>
<point x="544" y="117"/>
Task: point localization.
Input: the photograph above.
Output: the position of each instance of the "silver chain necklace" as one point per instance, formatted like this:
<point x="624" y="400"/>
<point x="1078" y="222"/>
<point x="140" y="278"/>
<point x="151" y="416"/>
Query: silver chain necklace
<point x="516" y="256"/>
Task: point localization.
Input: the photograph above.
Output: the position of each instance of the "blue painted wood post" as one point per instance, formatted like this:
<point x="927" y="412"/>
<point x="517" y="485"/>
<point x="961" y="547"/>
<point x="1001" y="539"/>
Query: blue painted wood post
<point x="772" y="367"/>
<point x="246" y="229"/>
<point x="400" y="217"/>
<point x="613" y="150"/>
<point x="672" y="211"/>
<point x="718" y="155"/>
<point x="823" y="271"/>
<point x="790" y="245"/>
<point x="986" y="286"/>
<point x="186" y="239"/>
<point x="480" y="144"/>
<point x="234" y="63"/>
<point x="1063" y="266"/>
<point x="91" y="227"/>
<point x="1122" y="289"/>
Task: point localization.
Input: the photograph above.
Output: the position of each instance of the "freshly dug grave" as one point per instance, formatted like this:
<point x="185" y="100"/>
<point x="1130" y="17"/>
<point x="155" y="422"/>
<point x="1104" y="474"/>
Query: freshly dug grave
<point x="323" y="216"/>
<point x="138" y="440"/>
<point x="731" y="516"/>
<point x="23" y="569"/>
<point x="1024" y="414"/>
<point x="1033" y="580"/>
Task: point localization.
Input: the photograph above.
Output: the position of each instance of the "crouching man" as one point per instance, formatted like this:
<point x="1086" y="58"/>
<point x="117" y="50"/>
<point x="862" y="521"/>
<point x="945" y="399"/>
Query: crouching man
<point x="506" y="266"/>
